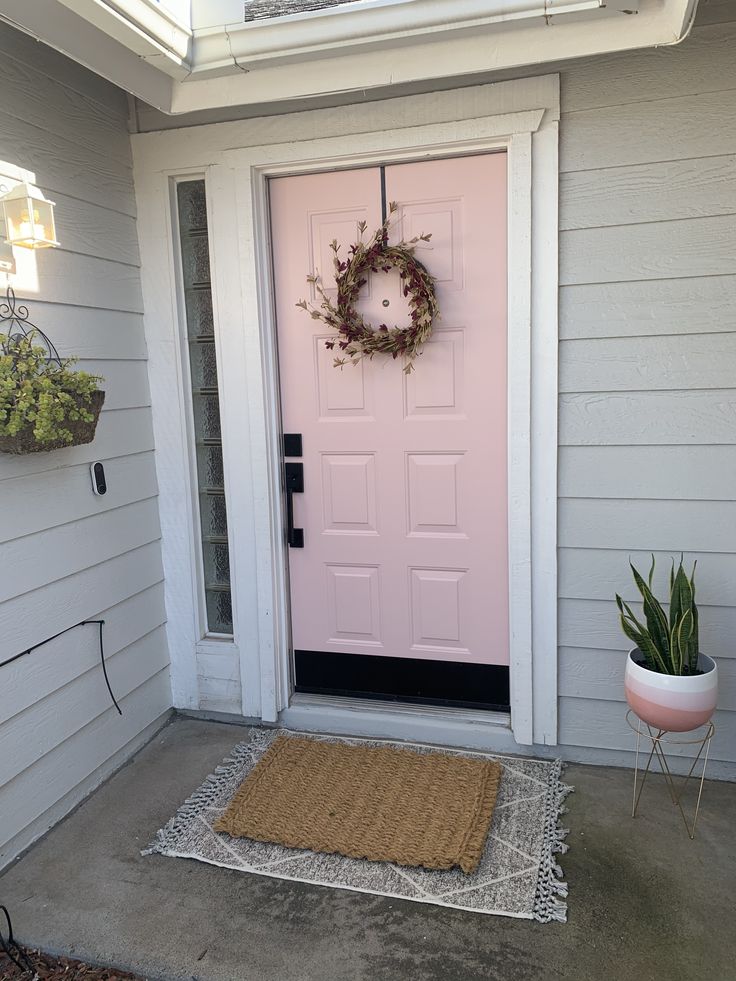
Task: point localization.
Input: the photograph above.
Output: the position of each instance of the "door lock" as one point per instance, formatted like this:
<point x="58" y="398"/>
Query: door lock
<point x="292" y="444"/>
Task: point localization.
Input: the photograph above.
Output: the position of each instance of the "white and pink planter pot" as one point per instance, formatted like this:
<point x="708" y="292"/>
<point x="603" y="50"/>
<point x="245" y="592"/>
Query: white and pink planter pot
<point x="674" y="703"/>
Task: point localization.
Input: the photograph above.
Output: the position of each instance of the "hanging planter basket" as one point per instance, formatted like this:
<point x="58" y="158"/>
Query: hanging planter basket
<point x="82" y="431"/>
<point x="44" y="405"/>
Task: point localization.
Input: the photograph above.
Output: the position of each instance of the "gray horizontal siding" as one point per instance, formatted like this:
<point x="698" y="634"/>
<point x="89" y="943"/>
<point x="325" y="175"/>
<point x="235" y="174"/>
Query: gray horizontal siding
<point x="696" y="417"/>
<point x="656" y="74"/>
<point x="596" y="674"/>
<point x="86" y="281"/>
<point x="614" y="734"/>
<point x="647" y="361"/>
<point x="672" y="128"/>
<point x="593" y="574"/>
<point x="119" y="432"/>
<point x="686" y="247"/>
<point x="594" y="624"/>
<point x="635" y="364"/>
<point x="659" y="307"/>
<point x="81" y="331"/>
<point x="66" y="554"/>
<point x="690" y="473"/>
<point x="65" y="166"/>
<point x="652" y="192"/>
<point x="33" y="503"/>
<point x="690" y="525"/>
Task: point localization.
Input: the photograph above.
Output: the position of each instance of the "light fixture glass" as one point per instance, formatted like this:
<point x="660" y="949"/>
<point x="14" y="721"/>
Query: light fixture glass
<point x="29" y="218"/>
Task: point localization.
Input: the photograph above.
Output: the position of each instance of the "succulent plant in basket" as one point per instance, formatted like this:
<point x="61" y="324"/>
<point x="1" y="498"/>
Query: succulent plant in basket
<point x="44" y="404"/>
<point x="669" y="683"/>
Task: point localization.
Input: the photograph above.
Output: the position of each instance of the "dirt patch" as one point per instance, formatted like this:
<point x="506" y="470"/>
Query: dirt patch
<point x="49" y="968"/>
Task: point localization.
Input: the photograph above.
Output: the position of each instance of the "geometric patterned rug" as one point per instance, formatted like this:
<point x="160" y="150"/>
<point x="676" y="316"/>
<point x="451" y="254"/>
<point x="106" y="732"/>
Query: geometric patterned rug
<point x="518" y="874"/>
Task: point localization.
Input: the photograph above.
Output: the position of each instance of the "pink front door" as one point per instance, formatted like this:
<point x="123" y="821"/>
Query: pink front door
<point x="404" y="508"/>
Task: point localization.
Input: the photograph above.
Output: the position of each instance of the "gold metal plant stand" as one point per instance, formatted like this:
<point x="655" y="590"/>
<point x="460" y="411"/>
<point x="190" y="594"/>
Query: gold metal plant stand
<point x="658" y="737"/>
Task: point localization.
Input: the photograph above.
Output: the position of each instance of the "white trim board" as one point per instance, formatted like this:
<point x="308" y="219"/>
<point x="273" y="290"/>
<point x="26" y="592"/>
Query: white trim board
<point x="519" y="117"/>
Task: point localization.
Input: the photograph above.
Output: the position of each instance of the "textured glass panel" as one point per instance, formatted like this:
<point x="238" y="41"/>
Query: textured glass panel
<point x="192" y="205"/>
<point x="206" y="416"/>
<point x="195" y="256"/>
<point x="200" y="319"/>
<point x="203" y="372"/>
<point x="209" y="466"/>
<point x="204" y="364"/>
<point x="214" y="516"/>
<point x="219" y="611"/>
<point x="216" y="564"/>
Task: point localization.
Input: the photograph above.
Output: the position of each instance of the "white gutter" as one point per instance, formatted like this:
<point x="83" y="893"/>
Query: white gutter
<point x="360" y="26"/>
<point x="143" y="26"/>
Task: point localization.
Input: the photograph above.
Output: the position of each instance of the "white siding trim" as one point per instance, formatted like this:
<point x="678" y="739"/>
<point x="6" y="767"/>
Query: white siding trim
<point x="544" y="436"/>
<point x="519" y="434"/>
<point x="159" y="284"/>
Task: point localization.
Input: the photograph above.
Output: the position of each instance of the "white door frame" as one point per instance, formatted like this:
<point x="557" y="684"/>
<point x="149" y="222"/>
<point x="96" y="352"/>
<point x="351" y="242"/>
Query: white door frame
<point x="237" y="192"/>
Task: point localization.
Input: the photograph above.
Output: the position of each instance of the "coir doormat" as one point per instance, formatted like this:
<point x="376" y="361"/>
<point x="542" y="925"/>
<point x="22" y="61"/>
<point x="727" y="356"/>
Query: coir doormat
<point x="375" y="802"/>
<point x="517" y="875"/>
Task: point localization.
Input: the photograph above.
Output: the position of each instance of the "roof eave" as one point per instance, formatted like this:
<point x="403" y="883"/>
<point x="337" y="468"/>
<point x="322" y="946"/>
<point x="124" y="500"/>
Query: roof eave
<point x="346" y="48"/>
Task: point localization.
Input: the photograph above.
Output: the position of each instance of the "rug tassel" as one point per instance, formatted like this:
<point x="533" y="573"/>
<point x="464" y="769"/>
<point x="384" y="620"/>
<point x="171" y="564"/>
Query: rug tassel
<point x="551" y="889"/>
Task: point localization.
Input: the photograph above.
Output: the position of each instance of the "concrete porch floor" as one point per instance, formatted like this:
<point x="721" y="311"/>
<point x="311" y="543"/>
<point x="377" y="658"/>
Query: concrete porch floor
<point x="645" y="902"/>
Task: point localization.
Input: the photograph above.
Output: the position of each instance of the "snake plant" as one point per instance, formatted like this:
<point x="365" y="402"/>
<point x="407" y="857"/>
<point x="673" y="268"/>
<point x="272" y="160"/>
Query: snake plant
<point x="668" y="644"/>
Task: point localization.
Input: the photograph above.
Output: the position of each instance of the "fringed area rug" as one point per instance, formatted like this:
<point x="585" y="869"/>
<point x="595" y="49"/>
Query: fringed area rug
<point x="517" y="875"/>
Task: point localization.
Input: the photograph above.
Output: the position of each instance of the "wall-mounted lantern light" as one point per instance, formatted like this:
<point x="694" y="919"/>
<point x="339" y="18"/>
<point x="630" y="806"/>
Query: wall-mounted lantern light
<point x="29" y="218"/>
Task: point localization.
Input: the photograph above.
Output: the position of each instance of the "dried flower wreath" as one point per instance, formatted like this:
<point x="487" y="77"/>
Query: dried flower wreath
<point x="359" y="339"/>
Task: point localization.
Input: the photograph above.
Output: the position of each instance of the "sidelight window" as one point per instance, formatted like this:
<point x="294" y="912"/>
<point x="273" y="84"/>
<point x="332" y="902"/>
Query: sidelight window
<point x="205" y="405"/>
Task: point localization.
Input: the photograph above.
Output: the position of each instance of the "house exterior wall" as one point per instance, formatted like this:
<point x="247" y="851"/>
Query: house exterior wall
<point x="647" y="454"/>
<point x="66" y="555"/>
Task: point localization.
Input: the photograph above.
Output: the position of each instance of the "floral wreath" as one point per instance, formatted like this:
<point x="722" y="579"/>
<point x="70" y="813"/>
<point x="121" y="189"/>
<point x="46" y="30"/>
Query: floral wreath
<point x="359" y="339"/>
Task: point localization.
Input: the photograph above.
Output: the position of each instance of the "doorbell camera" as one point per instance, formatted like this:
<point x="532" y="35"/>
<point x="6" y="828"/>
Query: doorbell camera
<point x="99" y="484"/>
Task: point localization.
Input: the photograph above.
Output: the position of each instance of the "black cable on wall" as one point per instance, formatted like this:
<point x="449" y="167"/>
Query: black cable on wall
<point x="82" y="623"/>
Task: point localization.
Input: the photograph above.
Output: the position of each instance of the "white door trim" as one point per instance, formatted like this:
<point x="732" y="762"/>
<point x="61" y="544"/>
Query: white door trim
<point x="237" y="178"/>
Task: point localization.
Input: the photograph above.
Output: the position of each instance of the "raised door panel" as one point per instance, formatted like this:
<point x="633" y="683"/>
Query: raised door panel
<point x="349" y="493"/>
<point x="353" y="605"/>
<point x="436" y="392"/>
<point x="433" y="491"/>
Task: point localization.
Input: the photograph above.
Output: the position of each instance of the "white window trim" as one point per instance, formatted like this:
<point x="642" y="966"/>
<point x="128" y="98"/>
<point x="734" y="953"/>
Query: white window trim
<point x="237" y="177"/>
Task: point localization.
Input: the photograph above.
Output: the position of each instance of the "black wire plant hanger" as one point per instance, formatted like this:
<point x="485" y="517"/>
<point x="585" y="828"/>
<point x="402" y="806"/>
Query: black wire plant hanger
<point x="15" y="325"/>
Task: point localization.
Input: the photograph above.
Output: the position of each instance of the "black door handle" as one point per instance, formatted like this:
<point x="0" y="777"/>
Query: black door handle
<point x="294" y="473"/>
